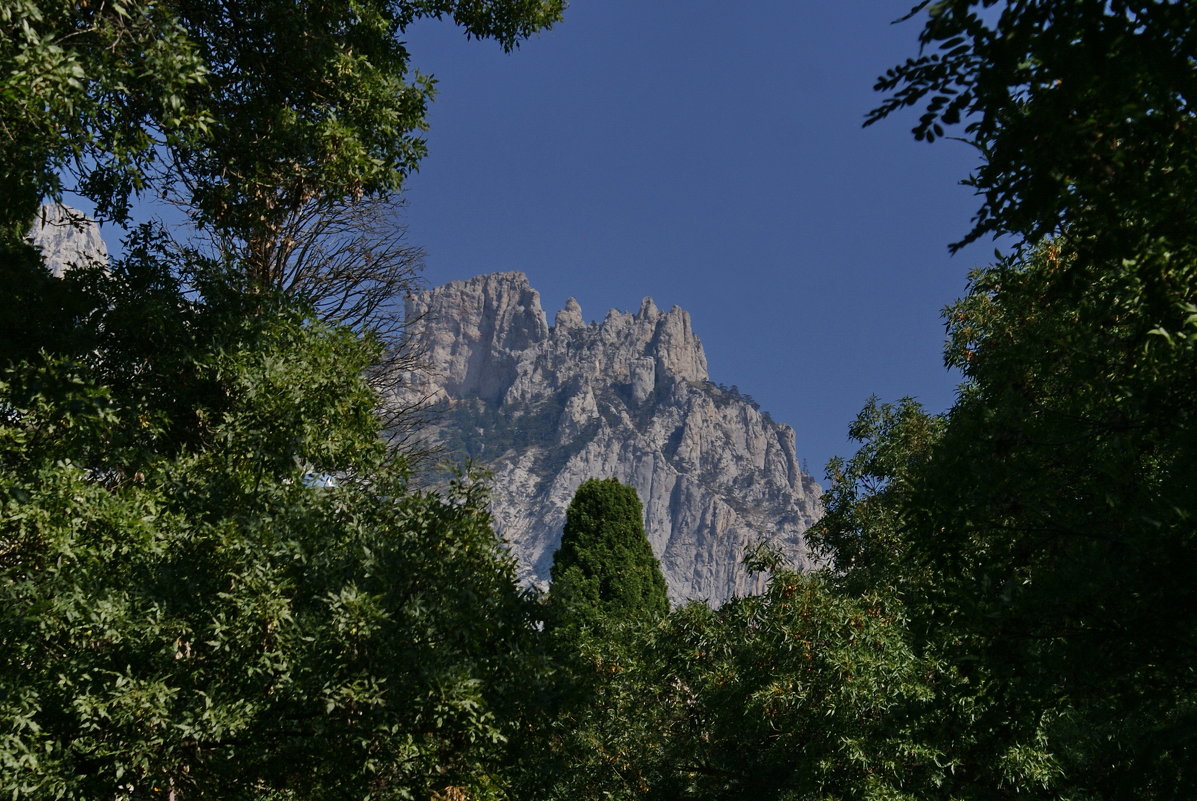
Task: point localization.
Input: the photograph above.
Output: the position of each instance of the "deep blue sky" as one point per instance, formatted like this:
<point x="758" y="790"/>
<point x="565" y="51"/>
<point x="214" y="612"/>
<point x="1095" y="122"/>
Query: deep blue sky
<point x="710" y="155"/>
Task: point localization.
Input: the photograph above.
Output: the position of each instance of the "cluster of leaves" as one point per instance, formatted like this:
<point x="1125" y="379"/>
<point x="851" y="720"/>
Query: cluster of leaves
<point x="245" y="599"/>
<point x="802" y="692"/>
<point x="1040" y="532"/>
<point x="1010" y="612"/>
<point x="256" y="109"/>
<point x="1081" y="111"/>
<point x="605" y="567"/>
<point x="805" y="691"/>
<point x="84" y="89"/>
<point x="215" y="579"/>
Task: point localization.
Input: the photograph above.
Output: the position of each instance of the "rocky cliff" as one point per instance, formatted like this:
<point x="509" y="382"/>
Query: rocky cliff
<point x="67" y="238"/>
<point x="547" y="407"/>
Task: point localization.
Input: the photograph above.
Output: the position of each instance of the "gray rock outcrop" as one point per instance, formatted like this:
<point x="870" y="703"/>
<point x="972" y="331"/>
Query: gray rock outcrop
<point x="67" y="238"/>
<point x="546" y="408"/>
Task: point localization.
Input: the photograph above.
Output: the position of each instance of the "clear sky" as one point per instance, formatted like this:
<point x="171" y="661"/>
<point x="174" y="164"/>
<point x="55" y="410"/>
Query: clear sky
<point x="711" y="155"/>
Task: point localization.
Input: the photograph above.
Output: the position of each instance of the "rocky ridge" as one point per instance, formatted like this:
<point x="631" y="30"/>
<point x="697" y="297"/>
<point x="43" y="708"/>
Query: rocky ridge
<point x="547" y="407"/>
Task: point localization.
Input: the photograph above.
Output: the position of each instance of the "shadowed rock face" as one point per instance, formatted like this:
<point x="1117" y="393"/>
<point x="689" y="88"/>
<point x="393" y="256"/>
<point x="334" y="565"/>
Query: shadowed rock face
<point x="546" y="408"/>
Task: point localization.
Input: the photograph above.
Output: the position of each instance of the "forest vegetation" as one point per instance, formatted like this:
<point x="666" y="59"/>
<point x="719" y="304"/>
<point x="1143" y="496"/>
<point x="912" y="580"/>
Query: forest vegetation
<point x="217" y="580"/>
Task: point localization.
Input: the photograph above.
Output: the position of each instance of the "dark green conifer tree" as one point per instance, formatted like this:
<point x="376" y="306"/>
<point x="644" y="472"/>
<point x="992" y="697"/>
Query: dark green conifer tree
<point x="605" y="567"/>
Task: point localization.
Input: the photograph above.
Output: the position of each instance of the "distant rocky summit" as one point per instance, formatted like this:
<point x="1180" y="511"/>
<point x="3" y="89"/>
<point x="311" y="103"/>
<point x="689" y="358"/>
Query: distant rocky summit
<point x="547" y="407"/>
<point x="67" y="238"/>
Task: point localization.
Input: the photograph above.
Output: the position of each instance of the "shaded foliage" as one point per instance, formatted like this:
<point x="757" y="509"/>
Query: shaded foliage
<point x="1081" y="112"/>
<point x="1049" y="521"/>
<point x="1040" y="532"/>
<point x="237" y="593"/>
<point x="801" y="692"/>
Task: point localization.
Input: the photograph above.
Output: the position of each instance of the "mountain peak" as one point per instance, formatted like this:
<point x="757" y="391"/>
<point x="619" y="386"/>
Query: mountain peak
<point x="628" y="397"/>
<point x="470" y="329"/>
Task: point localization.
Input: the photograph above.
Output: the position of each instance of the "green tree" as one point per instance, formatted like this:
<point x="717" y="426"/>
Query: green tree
<point x="1081" y="113"/>
<point x="605" y="568"/>
<point x="250" y="111"/>
<point x="257" y="117"/>
<point x="801" y="692"/>
<point x="1040" y="531"/>
<point x="1042" y="538"/>
<point x="215" y="579"/>
<point x="607" y="590"/>
<point x="1041" y="534"/>
<point x="235" y="593"/>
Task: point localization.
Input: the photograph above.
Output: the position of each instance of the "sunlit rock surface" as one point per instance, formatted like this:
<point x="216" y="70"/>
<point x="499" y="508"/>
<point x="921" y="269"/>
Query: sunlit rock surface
<point x="547" y="407"/>
<point x="67" y="238"/>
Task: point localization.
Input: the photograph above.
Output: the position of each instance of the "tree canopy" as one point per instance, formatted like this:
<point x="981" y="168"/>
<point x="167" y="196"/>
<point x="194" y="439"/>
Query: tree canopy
<point x="1039" y="531"/>
<point x="250" y="110"/>
<point x="215" y="579"/>
<point x="1081" y="112"/>
<point x="605" y="567"/>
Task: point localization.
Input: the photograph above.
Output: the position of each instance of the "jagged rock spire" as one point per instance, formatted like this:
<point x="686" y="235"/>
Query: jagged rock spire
<point x="628" y="397"/>
<point x="570" y="316"/>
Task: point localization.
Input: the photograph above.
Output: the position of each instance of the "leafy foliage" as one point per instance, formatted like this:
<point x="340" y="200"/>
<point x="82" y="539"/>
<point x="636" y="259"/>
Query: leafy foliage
<point x="605" y="568"/>
<point x="802" y="692"/>
<point x="1040" y="532"/>
<point x="1081" y="111"/>
<point x="79" y="83"/>
<point x="1049" y="520"/>
<point x="799" y="692"/>
<point x="864" y="507"/>
<point x="257" y="109"/>
<point x="216" y="581"/>
<point x="236" y="593"/>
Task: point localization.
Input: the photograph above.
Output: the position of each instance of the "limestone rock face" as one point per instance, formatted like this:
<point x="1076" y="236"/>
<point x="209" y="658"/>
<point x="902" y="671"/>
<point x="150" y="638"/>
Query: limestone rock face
<point x="67" y="238"/>
<point x="472" y="331"/>
<point x="629" y="397"/>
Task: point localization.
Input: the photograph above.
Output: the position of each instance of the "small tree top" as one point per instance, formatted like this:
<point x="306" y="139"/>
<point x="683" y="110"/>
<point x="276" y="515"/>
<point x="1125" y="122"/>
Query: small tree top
<point x="605" y="566"/>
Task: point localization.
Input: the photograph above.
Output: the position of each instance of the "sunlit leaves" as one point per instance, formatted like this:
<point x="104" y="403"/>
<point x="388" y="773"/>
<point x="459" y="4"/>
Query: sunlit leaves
<point x="181" y="608"/>
<point x="244" y="112"/>
<point x="80" y="82"/>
